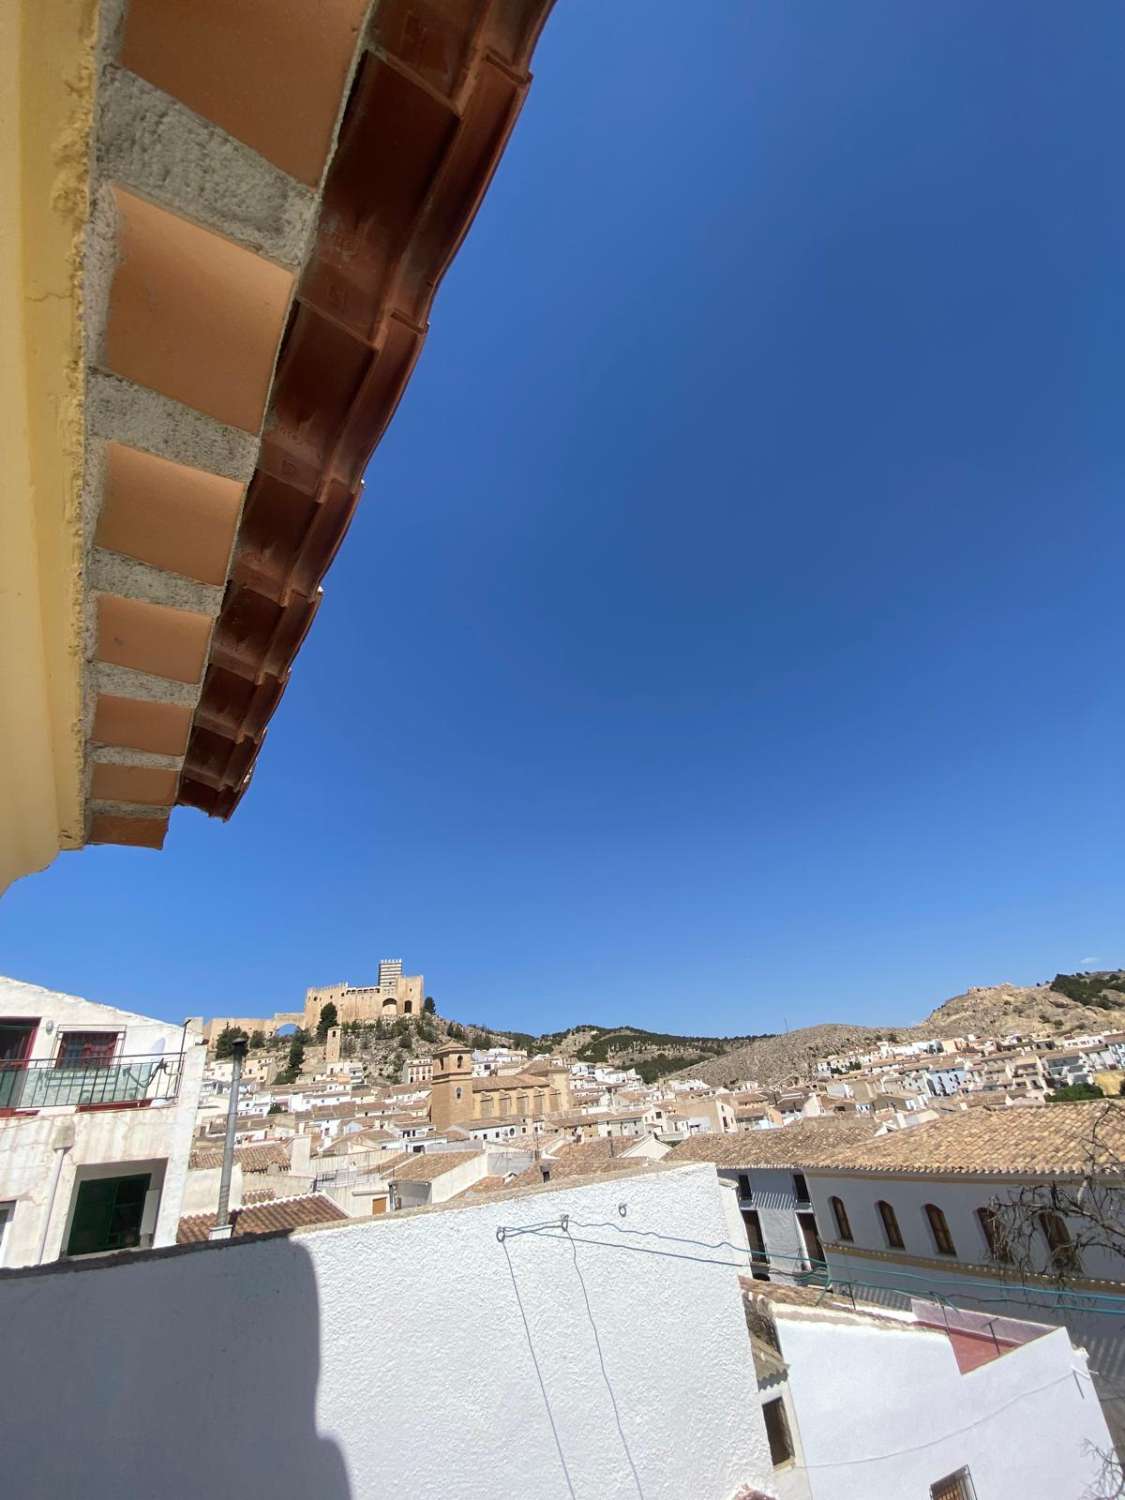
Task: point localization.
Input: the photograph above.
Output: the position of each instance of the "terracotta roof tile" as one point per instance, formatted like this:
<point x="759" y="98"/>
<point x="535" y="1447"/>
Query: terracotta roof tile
<point x="576" y="1159"/>
<point x="417" y="147"/>
<point x="280" y="1214"/>
<point x="258" y="1157"/>
<point x="805" y="1143"/>
<point x="429" y="1165"/>
<point x="1047" y="1140"/>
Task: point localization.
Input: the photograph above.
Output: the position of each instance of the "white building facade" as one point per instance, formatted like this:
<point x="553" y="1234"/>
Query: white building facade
<point x="97" y="1108"/>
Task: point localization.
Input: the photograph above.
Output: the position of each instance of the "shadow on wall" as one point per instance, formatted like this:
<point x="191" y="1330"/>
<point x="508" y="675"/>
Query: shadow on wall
<point x="149" y="1398"/>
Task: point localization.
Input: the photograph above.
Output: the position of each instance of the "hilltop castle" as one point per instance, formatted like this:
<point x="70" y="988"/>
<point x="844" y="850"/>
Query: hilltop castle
<point x="396" y="994"/>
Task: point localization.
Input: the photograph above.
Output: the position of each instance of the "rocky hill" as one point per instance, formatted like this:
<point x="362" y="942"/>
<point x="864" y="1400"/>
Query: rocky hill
<point x="776" y="1059"/>
<point x="1069" y="1004"/>
<point x="653" y="1053"/>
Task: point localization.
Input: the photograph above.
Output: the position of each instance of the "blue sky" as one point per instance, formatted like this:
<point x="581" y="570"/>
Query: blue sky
<point x="730" y="636"/>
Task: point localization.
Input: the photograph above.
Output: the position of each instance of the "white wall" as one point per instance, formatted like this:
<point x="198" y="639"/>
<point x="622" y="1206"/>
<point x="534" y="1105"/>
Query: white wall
<point x="1025" y="1424"/>
<point x="391" y="1357"/>
<point x="80" y="1141"/>
<point x="30" y="1147"/>
<point x="1095" y="1328"/>
<point x="776" y="1202"/>
<point x="71" y="1012"/>
<point x="958" y="1200"/>
<point x="460" y="1175"/>
<point x="773" y="1198"/>
<point x="201" y="1190"/>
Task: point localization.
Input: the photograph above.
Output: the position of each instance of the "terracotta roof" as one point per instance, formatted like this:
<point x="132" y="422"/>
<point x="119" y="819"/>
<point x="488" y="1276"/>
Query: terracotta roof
<point x="515" y="1081"/>
<point x="430" y="1165"/>
<point x="420" y="138"/>
<point x="483" y="1188"/>
<point x="265" y="1218"/>
<point x="250" y="330"/>
<point x="576" y="1159"/>
<point x="805" y="1143"/>
<point x="258" y="1157"/>
<point x="1049" y="1140"/>
<point x="258" y="1195"/>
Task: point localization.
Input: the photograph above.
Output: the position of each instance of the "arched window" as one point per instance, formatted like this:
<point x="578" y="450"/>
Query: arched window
<point x="943" y="1240"/>
<point x="1064" y="1257"/>
<point x="891" y="1232"/>
<point x="995" y="1234"/>
<point x="840" y="1214"/>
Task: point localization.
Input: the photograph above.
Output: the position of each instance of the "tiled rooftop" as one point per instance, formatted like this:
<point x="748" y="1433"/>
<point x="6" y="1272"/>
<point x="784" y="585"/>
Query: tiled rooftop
<point x="805" y="1143"/>
<point x="265" y="1218"/>
<point x="1052" y="1138"/>
<point x="430" y="1165"/>
<point x="576" y="1159"/>
<point x="255" y="1158"/>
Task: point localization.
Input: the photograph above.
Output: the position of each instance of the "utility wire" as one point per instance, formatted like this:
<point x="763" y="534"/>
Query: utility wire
<point x="538" y="1372"/>
<point x="1074" y="1301"/>
<point x="605" y="1372"/>
<point x="560" y="1234"/>
<point x="877" y="1458"/>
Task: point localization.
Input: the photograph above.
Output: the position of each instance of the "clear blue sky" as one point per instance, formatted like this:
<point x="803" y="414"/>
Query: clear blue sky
<point x="731" y="633"/>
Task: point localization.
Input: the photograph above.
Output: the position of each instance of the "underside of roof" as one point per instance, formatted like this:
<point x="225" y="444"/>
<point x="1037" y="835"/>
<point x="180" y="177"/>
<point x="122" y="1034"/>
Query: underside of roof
<point x="276" y="193"/>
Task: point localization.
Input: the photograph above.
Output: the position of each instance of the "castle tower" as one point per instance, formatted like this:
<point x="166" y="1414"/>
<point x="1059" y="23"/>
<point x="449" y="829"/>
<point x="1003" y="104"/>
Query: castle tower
<point x="451" y="1090"/>
<point x="332" y="1045"/>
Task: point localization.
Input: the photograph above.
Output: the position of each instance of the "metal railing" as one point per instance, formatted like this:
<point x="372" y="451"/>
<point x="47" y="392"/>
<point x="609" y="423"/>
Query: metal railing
<point x="43" y="1083"/>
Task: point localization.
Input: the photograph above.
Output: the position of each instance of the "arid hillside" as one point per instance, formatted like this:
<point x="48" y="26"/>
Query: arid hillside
<point x="774" y="1059"/>
<point x="1069" y="1004"/>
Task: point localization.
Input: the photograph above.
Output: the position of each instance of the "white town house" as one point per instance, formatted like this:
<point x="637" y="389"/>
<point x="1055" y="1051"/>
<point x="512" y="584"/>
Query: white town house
<point x="97" y="1107"/>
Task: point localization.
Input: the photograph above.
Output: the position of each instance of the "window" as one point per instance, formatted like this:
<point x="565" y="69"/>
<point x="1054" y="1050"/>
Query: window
<point x="943" y="1240"/>
<point x="814" y="1251"/>
<point x="957" y="1486"/>
<point x="1064" y="1257"/>
<point x="744" y="1190"/>
<point x="16" y="1038"/>
<point x="759" y="1259"/>
<point x="777" y="1430"/>
<point x="7" y="1211"/>
<point x="800" y="1187"/>
<point x="995" y="1234"/>
<point x="107" y="1214"/>
<point x="840" y="1214"/>
<point x="891" y="1232"/>
<point x="86" y="1049"/>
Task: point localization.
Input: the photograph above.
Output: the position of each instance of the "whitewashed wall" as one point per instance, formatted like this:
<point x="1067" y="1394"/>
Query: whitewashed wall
<point x="71" y="1012"/>
<point x="392" y="1358"/>
<point x="1099" y="1332"/>
<point x="773" y="1198"/>
<point x="1026" y="1424"/>
<point x="82" y="1141"/>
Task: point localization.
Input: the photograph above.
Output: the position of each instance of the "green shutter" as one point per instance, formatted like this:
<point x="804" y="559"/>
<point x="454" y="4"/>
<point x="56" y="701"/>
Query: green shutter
<point x="107" y="1214"/>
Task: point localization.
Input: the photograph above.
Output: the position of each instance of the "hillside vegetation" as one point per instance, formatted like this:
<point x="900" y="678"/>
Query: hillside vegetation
<point x="653" y="1053"/>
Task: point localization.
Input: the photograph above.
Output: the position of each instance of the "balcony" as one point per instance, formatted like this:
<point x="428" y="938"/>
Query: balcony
<point x="122" y="1082"/>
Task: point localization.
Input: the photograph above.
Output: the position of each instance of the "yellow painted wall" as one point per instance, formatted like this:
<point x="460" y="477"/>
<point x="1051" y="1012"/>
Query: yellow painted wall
<point x="46" y="99"/>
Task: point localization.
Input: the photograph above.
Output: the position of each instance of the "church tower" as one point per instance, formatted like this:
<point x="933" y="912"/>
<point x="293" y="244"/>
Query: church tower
<point x="451" y="1091"/>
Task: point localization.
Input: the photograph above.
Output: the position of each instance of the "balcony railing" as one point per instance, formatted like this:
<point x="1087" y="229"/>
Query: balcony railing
<point x="45" y="1084"/>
